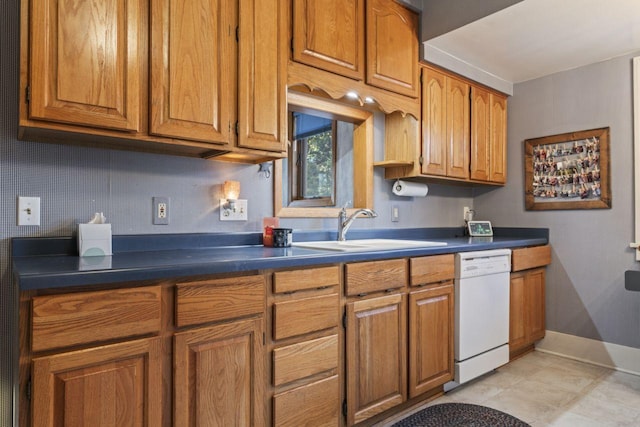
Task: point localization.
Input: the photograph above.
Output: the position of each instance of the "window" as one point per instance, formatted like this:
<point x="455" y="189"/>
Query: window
<point x="353" y="153"/>
<point x="313" y="161"/>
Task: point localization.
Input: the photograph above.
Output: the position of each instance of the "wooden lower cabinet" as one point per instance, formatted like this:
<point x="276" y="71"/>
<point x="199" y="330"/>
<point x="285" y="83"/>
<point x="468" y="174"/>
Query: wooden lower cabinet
<point x="527" y="310"/>
<point x="219" y="375"/>
<point x="112" y="385"/>
<point x="316" y="404"/>
<point x="376" y="356"/>
<point x="431" y="314"/>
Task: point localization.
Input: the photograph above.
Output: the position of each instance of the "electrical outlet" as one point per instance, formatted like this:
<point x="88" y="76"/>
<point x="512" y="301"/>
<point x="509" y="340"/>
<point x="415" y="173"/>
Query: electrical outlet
<point x="236" y="213"/>
<point x="395" y="213"/>
<point x="28" y="211"/>
<point x="160" y="210"/>
<point x="467" y="214"/>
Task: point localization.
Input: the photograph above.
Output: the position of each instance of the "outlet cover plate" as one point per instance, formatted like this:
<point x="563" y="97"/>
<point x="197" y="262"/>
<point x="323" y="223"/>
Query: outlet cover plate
<point x="239" y="213"/>
<point x="160" y="210"/>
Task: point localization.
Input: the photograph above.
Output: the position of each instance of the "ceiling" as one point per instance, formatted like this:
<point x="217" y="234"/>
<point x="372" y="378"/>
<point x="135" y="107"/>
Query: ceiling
<point x="535" y="38"/>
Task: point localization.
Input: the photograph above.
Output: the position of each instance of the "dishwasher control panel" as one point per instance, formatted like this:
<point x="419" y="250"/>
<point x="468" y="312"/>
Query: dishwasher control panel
<point x="482" y="263"/>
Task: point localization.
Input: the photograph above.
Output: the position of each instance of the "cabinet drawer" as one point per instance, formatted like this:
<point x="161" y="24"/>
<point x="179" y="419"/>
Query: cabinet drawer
<point x="366" y="277"/>
<point x="316" y="404"/>
<point x="431" y="269"/>
<point x="219" y="299"/>
<point x="304" y="359"/>
<point x="302" y="316"/>
<point x="526" y="258"/>
<point x="299" y="280"/>
<point x="86" y="317"/>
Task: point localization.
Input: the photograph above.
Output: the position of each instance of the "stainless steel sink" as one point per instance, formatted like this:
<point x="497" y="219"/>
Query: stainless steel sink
<point x="363" y="245"/>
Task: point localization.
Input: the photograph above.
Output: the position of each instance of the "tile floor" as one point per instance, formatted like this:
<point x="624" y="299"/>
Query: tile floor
<point x="546" y="390"/>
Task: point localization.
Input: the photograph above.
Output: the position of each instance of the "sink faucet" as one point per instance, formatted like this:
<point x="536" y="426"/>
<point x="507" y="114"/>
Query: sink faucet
<point x="344" y="223"/>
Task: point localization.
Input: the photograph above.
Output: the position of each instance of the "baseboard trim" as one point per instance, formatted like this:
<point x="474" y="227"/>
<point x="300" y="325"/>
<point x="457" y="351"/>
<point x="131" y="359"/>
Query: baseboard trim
<point x="614" y="356"/>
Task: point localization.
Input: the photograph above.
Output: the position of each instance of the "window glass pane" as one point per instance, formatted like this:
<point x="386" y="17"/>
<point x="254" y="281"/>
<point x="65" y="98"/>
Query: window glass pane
<point x="317" y="166"/>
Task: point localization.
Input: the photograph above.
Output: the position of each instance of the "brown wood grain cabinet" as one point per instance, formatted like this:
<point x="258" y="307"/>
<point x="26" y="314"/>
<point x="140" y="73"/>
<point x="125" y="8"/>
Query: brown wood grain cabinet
<point x="116" y="384"/>
<point x="431" y="323"/>
<point x="202" y="78"/>
<point x="461" y="135"/>
<point x="527" y="298"/>
<point x="392" y="47"/>
<point x="376" y="355"/>
<point x="445" y="125"/>
<point x="331" y="345"/>
<point x="399" y="332"/>
<point x="488" y="136"/>
<point x="219" y="375"/>
<point x="329" y="34"/>
<point x="175" y="353"/>
<point x="305" y="347"/>
<point x="373" y="41"/>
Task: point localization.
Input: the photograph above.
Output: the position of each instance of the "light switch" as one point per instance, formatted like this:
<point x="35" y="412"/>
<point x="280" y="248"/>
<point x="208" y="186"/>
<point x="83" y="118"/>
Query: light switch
<point x="28" y="210"/>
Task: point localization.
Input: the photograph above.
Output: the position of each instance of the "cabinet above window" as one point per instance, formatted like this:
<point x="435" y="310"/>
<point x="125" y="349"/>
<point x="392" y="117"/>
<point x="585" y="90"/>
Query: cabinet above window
<point x="365" y="50"/>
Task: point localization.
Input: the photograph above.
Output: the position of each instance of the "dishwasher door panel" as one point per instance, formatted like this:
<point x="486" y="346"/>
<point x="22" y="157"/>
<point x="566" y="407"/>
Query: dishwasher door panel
<point x="482" y="314"/>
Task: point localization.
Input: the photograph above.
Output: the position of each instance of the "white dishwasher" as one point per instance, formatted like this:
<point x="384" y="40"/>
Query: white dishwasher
<point x="481" y="312"/>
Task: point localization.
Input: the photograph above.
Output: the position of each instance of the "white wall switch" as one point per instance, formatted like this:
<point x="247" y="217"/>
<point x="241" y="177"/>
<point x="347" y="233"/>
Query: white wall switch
<point x="28" y="210"/>
<point x="236" y="213"/>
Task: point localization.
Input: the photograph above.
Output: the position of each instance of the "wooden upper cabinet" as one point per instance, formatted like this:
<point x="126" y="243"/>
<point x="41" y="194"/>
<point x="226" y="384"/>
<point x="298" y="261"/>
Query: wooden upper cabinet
<point x="488" y="136"/>
<point x="329" y="34"/>
<point x="87" y="62"/>
<point x="262" y="75"/>
<point x="498" y="126"/>
<point x="458" y="128"/>
<point x="434" y="123"/>
<point x="445" y="125"/>
<point x="192" y="67"/>
<point x="480" y="133"/>
<point x="392" y="47"/>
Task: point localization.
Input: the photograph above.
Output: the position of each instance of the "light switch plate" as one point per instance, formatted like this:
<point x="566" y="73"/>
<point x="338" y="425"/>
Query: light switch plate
<point x="28" y="211"/>
<point x="238" y="213"/>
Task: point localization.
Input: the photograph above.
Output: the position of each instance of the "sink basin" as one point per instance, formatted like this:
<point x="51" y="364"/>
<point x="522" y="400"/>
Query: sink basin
<point x="367" y="245"/>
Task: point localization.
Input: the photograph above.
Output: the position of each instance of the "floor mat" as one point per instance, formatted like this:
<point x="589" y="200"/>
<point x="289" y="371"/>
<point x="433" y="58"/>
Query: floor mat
<point x="460" y="414"/>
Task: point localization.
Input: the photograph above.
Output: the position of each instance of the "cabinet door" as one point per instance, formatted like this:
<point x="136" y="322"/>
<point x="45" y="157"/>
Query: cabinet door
<point x="262" y="75"/>
<point x="431" y="314"/>
<point x="480" y="133"/>
<point x="498" y="148"/>
<point x="434" y="123"/>
<point x="517" y="312"/>
<point x="112" y="385"/>
<point x="457" y="128"/>
<point x="219" y="375"/>
<point x="329" y="34"/>
<point x="193" y="78"/>
<point x="527" y="309"/>
<point x="536" y="303"/>
<point x="392" y="47"/>
<point x="376" y="356"/>
<point x="88" y="62"/>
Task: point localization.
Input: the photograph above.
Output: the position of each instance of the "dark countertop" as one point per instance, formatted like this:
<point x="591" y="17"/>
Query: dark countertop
<point x="54" y="262"/>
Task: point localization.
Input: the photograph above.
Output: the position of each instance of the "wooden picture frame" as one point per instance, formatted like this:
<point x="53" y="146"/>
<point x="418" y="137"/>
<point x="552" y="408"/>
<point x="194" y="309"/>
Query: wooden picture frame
<point x="568" y="171"/>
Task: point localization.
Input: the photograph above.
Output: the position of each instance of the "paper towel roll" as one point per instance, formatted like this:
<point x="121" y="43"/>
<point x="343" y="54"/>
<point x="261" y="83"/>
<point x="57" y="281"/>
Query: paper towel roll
<point x="410" y="189"/>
